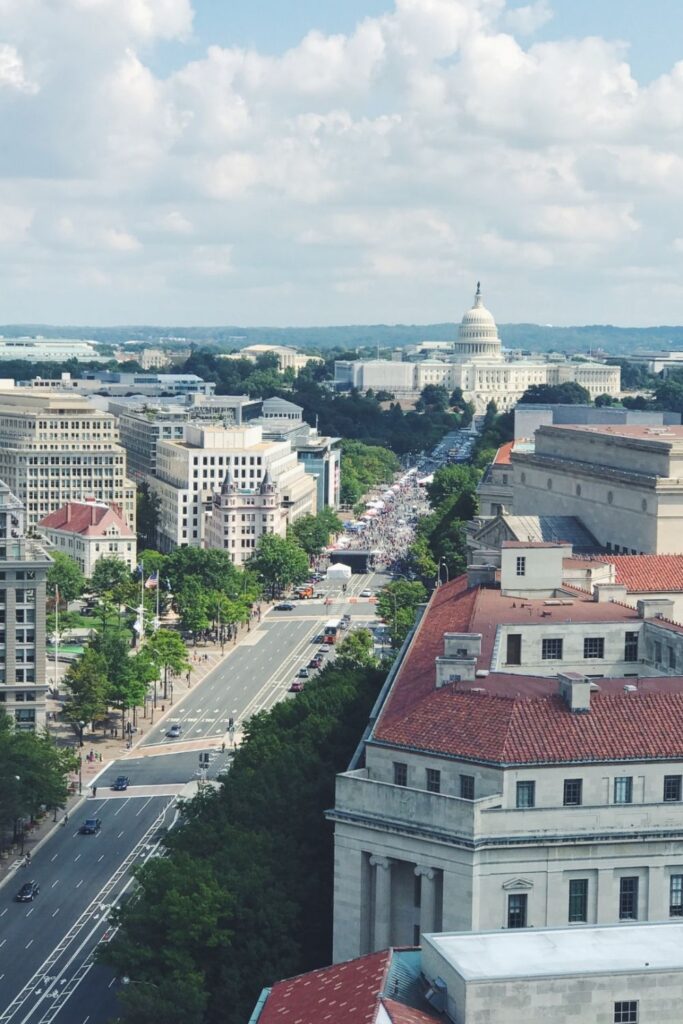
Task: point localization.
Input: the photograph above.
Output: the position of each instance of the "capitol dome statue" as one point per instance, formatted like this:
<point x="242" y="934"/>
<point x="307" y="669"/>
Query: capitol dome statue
<point x="478" y="335"/>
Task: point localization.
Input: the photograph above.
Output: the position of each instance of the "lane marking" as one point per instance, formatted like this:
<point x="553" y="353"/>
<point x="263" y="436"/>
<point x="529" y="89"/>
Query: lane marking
<point x="78" y="857"/>
<point x="53" y="859"/>
<point x="29" y="943"/>
<point x="56" y="912"/>
<point x="79" y="884"/>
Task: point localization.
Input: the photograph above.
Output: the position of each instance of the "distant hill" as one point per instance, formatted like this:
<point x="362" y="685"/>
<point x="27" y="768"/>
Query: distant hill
<point x="536" y="337"/>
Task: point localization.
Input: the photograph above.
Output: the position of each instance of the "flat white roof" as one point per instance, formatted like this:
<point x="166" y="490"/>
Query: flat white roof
<point x="548" y="952"/>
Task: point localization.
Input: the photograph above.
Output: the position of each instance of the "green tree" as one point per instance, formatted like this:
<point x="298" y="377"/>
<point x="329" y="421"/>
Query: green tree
<point x="191" y="605"/>
<point x="213" y="569"/>
<point x="313" y="533"/>
<point x="569" y="393"/>
<point x="397" y="604"/>
<point x="421" y="560"/>
<point x="65" y="576"/>
<point x="169" y="654"/>
<point x="356" y="649"/>
<point x="148" y="510"/>
<point x="279" y="562"/>
<point x="34" y="772"/>
<point x="249" y="859"/>
<point x="111" y="575"/>
<point x="452" y="481"/>
<point x="88" y="688"/>
<point x="433" y="398"/>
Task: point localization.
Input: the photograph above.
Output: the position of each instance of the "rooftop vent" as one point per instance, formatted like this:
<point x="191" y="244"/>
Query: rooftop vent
<point x="482" y="673"/>
<point x="630" y="688"/>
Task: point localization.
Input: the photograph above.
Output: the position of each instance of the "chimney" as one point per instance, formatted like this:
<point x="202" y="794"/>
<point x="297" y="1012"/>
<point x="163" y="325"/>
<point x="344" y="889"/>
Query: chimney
<point x="459" y="660"/>
<point x="68" y="512"/>
<point x="606" y="592"/>
<point x="93" y="515"/>
<point x="655" y="608"/>
<point x="481" y="575"/>
<point x="575" y="689"/>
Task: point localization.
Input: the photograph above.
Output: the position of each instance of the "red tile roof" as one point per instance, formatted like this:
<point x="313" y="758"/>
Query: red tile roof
<point x="347" y="993"/>
<point x="647" y="573"/>
<point x="503" y="454"/>
<point x="87" y="518"/>
<point x="625" y="726"/>
<point x="519" y="719"/>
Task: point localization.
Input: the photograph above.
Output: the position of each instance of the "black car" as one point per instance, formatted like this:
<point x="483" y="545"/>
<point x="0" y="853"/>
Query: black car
<point x="121" y="783"/>
<point x="284" y="606"/>
<point x="28" y="892"/>
<point x="90" y="826"/>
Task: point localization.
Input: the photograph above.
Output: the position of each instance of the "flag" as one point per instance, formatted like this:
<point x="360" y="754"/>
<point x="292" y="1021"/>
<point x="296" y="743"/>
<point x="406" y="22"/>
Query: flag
<point x="152" y="581"/>
<point x="140" y="570"/>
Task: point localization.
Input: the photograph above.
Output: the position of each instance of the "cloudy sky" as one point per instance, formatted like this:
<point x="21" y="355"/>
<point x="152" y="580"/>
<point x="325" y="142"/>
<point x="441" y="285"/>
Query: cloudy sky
<point x="340" y="161"/>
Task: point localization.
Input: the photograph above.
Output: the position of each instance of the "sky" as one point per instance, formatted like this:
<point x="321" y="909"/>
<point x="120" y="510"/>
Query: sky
<point x="256" y="162"/>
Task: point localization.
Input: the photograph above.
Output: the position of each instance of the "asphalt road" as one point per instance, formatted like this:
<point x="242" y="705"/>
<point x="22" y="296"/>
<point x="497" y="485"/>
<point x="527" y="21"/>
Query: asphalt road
<point x="46" y="947"/>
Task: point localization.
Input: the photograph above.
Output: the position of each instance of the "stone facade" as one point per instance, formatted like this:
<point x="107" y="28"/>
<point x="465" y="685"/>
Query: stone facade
<point x="239" y="518"/>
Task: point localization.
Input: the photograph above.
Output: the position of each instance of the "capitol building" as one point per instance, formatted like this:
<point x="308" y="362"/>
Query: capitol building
<point x="476" y="363"/>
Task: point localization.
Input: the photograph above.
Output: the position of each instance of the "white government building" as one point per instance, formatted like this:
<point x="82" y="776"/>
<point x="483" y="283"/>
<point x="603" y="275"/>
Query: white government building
<point x="475" y="363"/>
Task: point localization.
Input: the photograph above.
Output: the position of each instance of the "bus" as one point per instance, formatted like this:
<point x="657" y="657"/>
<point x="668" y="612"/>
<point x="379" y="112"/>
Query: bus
<point x="330" y="631"/>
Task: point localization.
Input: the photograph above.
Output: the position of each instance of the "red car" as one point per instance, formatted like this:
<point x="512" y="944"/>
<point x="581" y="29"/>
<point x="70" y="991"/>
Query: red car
<point x="297" y="686"/>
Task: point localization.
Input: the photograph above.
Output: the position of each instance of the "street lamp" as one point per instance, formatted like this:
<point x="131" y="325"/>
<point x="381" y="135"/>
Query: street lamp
<point x="81" y="726"/>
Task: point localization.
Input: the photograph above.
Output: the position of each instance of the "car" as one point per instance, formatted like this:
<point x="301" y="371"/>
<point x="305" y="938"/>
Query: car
<point x="318" y="639"/>
<point x="90" y="826"/>
<point x="297" y="686"/>
<point x="322" y="651"/>
<point x="303" y="673"/>
<point x="315" y="662"/>
<point x="174" y="731"/>
<point x="366" y="593"/>
<point x="28" y="892"/>
<point x="284" y="606"/>
<point x="120" y="783"/>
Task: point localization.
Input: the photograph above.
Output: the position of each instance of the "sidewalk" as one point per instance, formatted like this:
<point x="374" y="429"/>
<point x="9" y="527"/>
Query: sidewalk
<point x="106" y="748"/>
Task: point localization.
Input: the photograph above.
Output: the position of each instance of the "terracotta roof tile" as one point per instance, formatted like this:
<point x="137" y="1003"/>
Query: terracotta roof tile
<point x="399" y="1013"/>
<point x="87" y="518"/>
<point x="346" y="993"/>
<point x="647" y="573"/>
<point x="503" y="455"/>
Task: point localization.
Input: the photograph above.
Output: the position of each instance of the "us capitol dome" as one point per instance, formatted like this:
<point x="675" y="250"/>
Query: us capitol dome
<point x="478" y="335"/>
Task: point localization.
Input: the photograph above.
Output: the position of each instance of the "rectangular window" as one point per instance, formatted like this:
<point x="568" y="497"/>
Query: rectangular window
<point x="517" y="910"/>
<point x="552" y="650"/>
<point x="671" y="657"/>
<point x="672" y="788"/>
<point x="520" y="566"/>
<point x="526" y="794"/>
<point x="626" y="1012"/>
<point x="623" y="790"/>
<point x="578" y="900"/>
<point x="433" y="780"/>
<point x="658" y="652"/>
<point x="630" y="647"/>
<point x="467" y="787"/>
<point x="676" y="896"/>
<point x="514" y="649"/>
<point x="400" y="773"/>
<point x="572" y="792"/>
<point x="594" y="647"/>
<point x="628" y="899"/>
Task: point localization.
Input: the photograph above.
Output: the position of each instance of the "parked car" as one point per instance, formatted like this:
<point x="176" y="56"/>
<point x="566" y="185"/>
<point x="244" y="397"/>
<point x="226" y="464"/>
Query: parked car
<point x="90" y="826"/>
<point x="297" y="686"/>
<point x="303" y="673"/>
<point x="174" y="731"/>
<point x="366" y="593"/>
<point x="28" y="892"/>
<point x="284" y="606"/>
<point x="120" y="783"/>
<point x="322" y="651"/>
<point x="315" y="662"/>
<point x="318" y="639"/>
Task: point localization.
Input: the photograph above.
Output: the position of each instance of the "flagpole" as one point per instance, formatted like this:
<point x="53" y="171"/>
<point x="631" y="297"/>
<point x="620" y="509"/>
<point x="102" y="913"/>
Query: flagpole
<point x="56" y="636"/>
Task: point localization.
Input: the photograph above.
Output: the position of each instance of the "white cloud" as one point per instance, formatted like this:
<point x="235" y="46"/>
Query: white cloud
<point x="364" y="176"/>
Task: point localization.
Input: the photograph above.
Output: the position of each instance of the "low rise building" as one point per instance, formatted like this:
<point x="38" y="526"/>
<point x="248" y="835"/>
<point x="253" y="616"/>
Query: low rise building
<point x="630" y="974"/>
<point x="191" y="470"/>
<point x="523" y="767"/>
<point x="287" y="358"/>
<point x="90" y="530"/>
<point x="50" y="350"/>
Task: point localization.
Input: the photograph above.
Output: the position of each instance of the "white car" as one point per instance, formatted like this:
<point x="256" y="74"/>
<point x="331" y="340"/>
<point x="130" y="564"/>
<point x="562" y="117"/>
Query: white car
<point x="366" y="593"/>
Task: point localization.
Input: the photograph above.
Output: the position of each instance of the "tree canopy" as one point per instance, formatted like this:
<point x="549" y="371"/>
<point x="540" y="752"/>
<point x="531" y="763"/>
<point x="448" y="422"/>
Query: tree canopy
<point x="569" y="393"/>
<point x="279" y="562"/>
<point x="397" y="604"/>
<point x="244" y="895"/>
<point x="364" y="466"/>
<point x="65" y="576"/>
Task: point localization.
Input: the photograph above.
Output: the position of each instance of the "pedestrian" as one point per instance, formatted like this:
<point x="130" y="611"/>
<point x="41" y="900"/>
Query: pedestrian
<point x="94" y="791"/>
<point x="66" y="818"/>
<point x="28" y="858"/>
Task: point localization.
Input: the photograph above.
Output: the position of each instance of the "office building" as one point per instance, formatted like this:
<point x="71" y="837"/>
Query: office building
<point x="624" y="482"/>
<point x="524" y="767"/>
<point x="23" y="578"/>
<point x="90" y="530"/>
<point x="57" y="447"/>
<point x="238" y="518"/>
<point x="190" y="471"/>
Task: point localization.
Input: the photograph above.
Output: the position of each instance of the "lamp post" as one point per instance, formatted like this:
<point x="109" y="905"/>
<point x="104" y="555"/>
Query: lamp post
<point x="81" y="726"/>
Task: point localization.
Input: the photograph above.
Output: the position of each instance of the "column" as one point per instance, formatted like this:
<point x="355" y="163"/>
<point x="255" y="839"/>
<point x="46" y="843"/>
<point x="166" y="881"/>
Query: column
<point x="382" y="919"/>
<point x="427" y="898"/>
